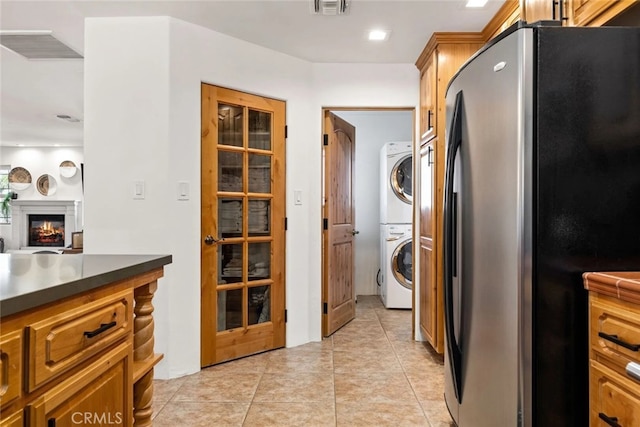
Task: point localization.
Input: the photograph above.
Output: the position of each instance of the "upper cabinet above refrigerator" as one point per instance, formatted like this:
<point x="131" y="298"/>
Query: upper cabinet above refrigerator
<point x="578" y="13"/>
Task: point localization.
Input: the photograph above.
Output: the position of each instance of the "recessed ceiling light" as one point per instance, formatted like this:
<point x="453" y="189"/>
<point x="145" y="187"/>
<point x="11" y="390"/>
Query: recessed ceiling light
<point x="378" y="35"/>
<point x="476" y="3"/>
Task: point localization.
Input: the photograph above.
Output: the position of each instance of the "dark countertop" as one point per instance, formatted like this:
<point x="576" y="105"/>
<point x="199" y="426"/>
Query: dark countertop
<point x="31" y="280"/>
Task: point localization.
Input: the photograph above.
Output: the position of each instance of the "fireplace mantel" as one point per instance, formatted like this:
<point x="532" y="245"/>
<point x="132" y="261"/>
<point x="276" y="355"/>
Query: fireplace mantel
<point x="21" y="209"/>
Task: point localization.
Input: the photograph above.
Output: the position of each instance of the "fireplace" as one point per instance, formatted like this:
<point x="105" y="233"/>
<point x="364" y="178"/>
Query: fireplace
<point x="63" y="217"/>
<point x="46" y="230"/>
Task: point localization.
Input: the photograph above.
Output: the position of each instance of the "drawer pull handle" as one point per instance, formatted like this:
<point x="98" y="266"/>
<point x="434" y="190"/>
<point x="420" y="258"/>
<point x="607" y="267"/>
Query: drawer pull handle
<point x="616" y="340"/>
<point x="612" y="421"/>
<point x="103" y="327"/>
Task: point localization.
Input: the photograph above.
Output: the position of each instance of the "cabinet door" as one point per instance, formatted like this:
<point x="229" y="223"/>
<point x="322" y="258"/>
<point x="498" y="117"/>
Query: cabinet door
<point x="14" y="420"/>
<point x="428" y="291"/>
<point x="596" y="12"/>
<point x="614" y="400"/>
<point x="100" y="394"/>
<point x="538" y="10"/>
<point x="10" y="366"/>
<point x="428" y="97"/>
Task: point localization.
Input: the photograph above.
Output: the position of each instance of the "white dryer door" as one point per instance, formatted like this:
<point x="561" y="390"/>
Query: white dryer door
<point x="402" y="264"/>
<point x="401" y="181"/>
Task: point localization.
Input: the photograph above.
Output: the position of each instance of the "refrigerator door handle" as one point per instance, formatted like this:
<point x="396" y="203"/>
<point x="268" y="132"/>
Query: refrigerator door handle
<point x="450" y="247"/>
<point x="454" y="237"/>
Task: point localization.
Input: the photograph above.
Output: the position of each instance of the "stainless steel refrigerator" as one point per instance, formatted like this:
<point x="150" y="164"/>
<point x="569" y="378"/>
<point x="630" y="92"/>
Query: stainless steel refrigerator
<point x="542" y="184"/>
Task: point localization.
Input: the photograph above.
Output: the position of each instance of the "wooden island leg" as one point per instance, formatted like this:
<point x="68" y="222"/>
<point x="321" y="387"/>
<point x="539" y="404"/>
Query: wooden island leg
<point x="143" y="351"/>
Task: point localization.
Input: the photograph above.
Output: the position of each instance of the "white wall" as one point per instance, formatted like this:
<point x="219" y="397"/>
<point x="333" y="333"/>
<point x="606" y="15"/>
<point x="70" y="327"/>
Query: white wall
<point x="39" y="161"/>
<point x="142" y="122"/>
<point x="200" y="55"/>
<point x="373" y="130"/>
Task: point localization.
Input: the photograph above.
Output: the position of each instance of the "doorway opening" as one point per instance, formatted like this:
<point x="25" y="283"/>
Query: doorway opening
<point x="353" y="249"/>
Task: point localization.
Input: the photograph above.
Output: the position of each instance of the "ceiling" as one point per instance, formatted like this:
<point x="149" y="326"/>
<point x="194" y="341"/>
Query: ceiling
<point x="33" y="92"/>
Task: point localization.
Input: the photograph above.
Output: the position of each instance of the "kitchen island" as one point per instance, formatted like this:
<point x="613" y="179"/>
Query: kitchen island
<point x="76" y="338"/>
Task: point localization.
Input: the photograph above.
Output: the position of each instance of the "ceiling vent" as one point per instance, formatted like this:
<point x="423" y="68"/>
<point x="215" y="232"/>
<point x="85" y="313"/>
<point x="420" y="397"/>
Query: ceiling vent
<point x="37" y="45"/>
<point x="330" y="7"/>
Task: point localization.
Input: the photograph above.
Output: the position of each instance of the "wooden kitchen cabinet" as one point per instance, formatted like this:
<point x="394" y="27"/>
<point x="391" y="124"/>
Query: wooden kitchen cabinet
<point x="543" y="10"/>
<point x="14" y="420"/>
<point x="428" y="97"/>
<point x="578" y="13"/>
<point x="594" y="13"/>
<point x="100" y="394"/>
<point x="506" y="16"/>
<point x="614" y="345"/>
<point x="83" y="359"/>
<point x="429" y="301"/>
<point x="438" y="62"/>
<point x="10" y="366"/>
<point x="58" y="343"/>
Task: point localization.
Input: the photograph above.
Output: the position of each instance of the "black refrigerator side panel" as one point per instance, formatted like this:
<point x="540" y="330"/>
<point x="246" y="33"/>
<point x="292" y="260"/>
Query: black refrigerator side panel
<point x="586" y="198"/>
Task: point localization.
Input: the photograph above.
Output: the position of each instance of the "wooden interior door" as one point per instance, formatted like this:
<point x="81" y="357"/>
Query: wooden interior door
<point x="242" y="224"/>
<point x="338" y="278"/>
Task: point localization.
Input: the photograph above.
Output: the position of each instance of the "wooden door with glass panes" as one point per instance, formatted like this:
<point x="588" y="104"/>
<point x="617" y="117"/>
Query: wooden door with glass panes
<point x="242" y="224"/>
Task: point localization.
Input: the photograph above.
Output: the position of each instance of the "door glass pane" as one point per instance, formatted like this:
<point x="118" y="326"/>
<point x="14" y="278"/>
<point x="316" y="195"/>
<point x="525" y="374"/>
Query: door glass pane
<point x="230" y="217"/>
<point x="259" y="173"/>
<point x="230" y="125"/>
<point x="229" y="309"/>
<point x="229" y="171"/>
<point x="259" y="130"/>
<point x="230" y="257"/>
<point x="401" y="179"/>
<point x="259" y="217"/>
<point x="259" y="260"/>
<point x="259" y="304"/>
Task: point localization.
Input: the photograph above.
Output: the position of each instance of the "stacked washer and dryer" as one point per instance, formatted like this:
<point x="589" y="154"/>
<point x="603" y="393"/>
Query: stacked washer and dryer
<point x="394" y="278"/>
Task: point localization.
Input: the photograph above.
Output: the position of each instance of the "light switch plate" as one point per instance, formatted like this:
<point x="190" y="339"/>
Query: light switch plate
<point x="183" y="190"/>
<point x="138" y="190"/>
<point x="297" y="197"/>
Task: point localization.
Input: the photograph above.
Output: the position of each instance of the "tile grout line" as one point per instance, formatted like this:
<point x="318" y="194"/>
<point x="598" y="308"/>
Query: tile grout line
<point x="335" y="392"/>
<point x="404" y="372"/>
<point x="246" y="415"/>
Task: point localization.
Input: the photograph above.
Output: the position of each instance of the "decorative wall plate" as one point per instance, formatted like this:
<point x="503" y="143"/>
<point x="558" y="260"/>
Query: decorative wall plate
<point x="19" y="178"/>
<point x="46" y="185"/>
<point x="68" y="169"/>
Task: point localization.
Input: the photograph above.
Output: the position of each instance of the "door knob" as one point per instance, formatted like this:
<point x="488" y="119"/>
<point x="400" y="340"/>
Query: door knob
<point x="209" y="240"/>
<point x="354" y="232"/>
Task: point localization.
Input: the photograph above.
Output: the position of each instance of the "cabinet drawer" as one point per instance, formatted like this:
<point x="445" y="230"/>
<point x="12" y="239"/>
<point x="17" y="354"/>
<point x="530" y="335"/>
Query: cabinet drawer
<point x="615" y="333"/>
<point x="10" y="363"/>
<point x="100" y="394"/>
<point x="613" y="396"/>
<point x="14" y="420"/>
<point x="59" y="343"/>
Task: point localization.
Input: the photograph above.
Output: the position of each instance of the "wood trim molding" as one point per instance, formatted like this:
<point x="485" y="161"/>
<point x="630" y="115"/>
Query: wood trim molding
<point x="624" y="285"/>
<point x="611" y="12"/>
<point x="508" y="8"/>
<point x="449" y="38"/>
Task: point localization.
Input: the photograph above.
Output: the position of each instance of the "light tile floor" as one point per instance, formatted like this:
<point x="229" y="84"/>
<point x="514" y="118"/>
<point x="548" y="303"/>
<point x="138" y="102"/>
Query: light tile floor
<point x="369" y="373"/>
